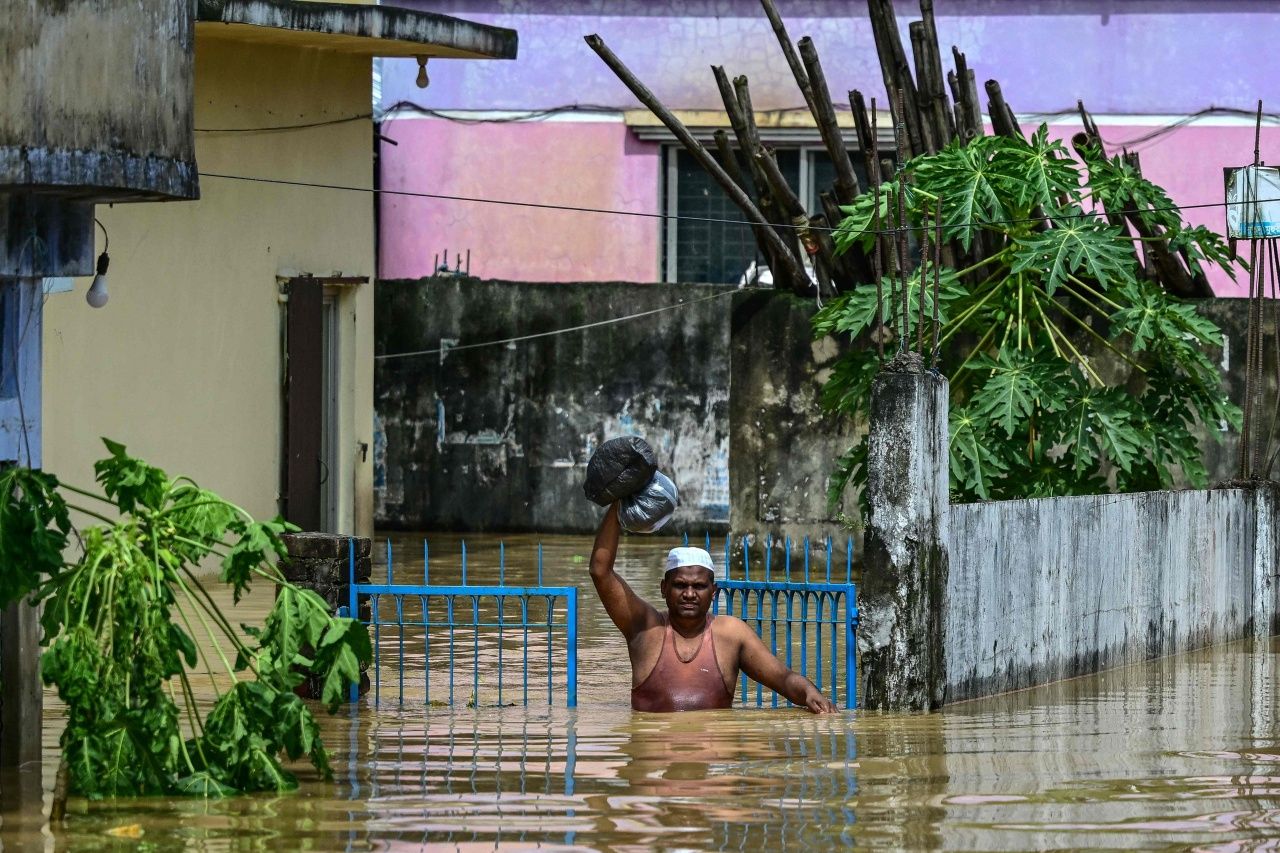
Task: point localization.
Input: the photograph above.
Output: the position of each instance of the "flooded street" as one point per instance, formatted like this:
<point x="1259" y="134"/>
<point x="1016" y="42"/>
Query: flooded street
<point x="1179" y="753"/>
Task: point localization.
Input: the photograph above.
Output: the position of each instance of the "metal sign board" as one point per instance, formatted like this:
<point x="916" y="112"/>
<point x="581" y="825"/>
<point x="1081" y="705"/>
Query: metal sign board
<point x="1253" y="202"/>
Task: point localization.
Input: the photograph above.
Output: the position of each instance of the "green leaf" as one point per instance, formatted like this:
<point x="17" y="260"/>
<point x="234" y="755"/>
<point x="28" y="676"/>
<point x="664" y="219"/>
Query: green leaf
<point x="1020" y="382"/>
<point x="1119" y="186"/>
<point x="130" y="482"/>
<point x="1086" y="247"/>
<point x="1040" y="170"/>
<point x="974" y="464"/>
<point x="973" y="188"/>
<point x="1102" y="424"/>
<point x="34" y="528"/>
<point x="202" y="783"/>
<point x="858" y="226"/>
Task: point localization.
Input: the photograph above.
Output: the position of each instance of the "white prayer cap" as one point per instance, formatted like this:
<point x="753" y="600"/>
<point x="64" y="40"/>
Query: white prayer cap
<point x="678" y="557"/>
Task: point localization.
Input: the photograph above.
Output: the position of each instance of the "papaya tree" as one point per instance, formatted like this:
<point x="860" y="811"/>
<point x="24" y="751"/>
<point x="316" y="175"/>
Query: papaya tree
<point x="1072" y="370"/>
<point x="129" y="623"/>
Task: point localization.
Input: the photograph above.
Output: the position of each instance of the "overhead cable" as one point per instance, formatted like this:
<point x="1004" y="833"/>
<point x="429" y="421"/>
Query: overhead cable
<point x="744" y="222"/>
<point x="580" y="328"/>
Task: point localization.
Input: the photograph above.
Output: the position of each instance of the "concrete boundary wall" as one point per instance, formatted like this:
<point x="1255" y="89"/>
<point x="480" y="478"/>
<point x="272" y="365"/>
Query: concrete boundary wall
<point x="1041" y="590"/>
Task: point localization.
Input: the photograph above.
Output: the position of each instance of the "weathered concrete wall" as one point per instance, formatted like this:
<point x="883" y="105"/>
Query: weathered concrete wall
<point x="1040" y="590"/>
<point x="104" y="103"/>
<point x="782" y="444"/>
<point x="497" y="438"/>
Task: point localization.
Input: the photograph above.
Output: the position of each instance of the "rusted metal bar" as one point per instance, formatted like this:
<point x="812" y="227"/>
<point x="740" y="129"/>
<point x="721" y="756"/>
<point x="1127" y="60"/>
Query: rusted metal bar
<point x="937" y="274"/>
<point x="790" y="268"/>
<point x="900" y="135"/>
<point x="824" y="113"/>
<point x="877" y="267"/>
<point x="900" y="251"/>
<point x="922" y="276"/>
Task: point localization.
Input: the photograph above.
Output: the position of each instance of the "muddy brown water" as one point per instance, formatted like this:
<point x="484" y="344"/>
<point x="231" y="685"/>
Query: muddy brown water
<point x="1179" y="753"/>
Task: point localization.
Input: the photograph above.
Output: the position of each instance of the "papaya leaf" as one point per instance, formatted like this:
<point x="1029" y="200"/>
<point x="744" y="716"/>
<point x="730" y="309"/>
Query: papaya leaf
<point x="1083" y="246"/>
<point x="1043" y="170"/>
<point x="974" y="464"/>
<point x="202" y="783"/>
<point x="974" y="190"/>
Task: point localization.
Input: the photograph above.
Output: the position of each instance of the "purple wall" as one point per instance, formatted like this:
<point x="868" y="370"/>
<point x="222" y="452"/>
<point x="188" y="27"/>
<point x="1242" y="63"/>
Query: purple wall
<point x="1123" y="56"/>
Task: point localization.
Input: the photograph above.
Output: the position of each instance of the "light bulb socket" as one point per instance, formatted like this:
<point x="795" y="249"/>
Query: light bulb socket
<point x="422" y="80"/>
<point x="104" y="261"/>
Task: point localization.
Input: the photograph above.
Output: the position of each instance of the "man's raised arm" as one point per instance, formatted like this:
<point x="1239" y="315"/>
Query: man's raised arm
<point x="629" y="612"/>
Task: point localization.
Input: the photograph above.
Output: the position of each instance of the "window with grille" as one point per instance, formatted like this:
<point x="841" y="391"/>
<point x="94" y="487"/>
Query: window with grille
<point x="697" y="250"/>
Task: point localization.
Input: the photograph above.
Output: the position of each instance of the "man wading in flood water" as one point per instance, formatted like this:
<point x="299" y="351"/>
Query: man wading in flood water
<point x="686" y="659"/>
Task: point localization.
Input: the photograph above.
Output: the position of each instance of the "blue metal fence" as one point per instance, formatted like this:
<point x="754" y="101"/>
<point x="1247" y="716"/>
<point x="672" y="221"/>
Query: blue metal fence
<point x="815" y="620"/>
<point x="439" y="642"/>
<point x="475" y="625"/>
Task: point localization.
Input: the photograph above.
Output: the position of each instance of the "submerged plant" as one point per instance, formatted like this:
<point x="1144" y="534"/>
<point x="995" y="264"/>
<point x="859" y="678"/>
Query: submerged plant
<point x="1031" y="413"/>
<point x="120" y="622"/>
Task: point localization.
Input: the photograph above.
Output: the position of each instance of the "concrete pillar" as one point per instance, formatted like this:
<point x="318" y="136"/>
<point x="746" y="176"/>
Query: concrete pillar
<point x="900" y="660"/>
<point x="319" y="562"/>
<point x="21" y="696"/>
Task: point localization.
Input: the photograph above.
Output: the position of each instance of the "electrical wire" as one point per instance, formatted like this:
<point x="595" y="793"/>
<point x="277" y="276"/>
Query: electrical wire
<point x="744" y="222"/>
<point x="580" y="328"/>
<point x="391" y="113"/>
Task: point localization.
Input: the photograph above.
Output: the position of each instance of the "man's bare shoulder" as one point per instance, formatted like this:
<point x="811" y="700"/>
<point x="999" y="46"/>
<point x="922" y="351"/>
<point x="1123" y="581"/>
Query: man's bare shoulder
<point x="731" y="626"/>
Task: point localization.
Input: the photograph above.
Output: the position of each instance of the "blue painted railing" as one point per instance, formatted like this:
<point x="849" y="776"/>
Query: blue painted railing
<point x="814" y="619"/>
<point x="451" y="614"/>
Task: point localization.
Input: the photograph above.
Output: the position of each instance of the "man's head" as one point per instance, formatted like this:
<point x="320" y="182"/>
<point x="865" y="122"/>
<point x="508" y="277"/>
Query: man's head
<point x="689" y="583"/>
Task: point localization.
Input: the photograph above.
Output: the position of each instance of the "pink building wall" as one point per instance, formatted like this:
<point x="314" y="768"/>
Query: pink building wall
<point x="579" y="164"/>
<point x="602" y="164"/>
<point x="1188" y="163"/>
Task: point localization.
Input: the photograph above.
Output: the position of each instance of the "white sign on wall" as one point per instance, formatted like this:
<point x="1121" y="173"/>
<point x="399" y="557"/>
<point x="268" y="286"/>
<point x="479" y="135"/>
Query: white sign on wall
<point x="1253" y="202"/>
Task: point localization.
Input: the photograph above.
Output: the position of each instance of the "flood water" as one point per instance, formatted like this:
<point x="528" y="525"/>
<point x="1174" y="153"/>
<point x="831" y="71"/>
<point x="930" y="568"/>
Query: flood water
<point x="1180" y="753"/>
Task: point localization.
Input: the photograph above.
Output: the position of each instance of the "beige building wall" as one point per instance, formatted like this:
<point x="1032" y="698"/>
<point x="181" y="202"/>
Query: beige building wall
<point x="184" y="365"/>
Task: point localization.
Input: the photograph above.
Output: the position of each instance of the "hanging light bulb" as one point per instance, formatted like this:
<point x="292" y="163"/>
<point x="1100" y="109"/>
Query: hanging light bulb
<point x="97" y="295"/>
<point x="423" y="80"/>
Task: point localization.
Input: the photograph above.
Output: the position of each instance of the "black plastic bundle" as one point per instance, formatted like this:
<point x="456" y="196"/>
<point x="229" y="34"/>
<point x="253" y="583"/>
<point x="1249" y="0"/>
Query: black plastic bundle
<point x="619" y="468"/>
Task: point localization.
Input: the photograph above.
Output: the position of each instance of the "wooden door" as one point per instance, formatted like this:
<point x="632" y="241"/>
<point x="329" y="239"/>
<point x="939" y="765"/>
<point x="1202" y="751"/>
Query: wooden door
<point x="304" y="403"/>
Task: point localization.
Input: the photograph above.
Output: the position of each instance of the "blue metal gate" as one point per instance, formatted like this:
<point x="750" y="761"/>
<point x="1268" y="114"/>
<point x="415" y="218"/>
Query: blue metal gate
<point x="474" y="624"/>
<point x="814" y="620"/>
<point x="445" y="639"/>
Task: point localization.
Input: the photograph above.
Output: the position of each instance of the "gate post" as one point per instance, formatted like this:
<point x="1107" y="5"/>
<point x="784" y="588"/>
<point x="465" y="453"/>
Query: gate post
<point x="900" y="627"/>
<point x="320" y="562"/>
<point x="22" y="705"/>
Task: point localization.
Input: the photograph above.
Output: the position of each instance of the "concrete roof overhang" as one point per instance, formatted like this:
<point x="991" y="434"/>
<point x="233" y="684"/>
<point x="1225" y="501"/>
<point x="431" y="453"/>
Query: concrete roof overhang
<point x="353" y="29"/>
